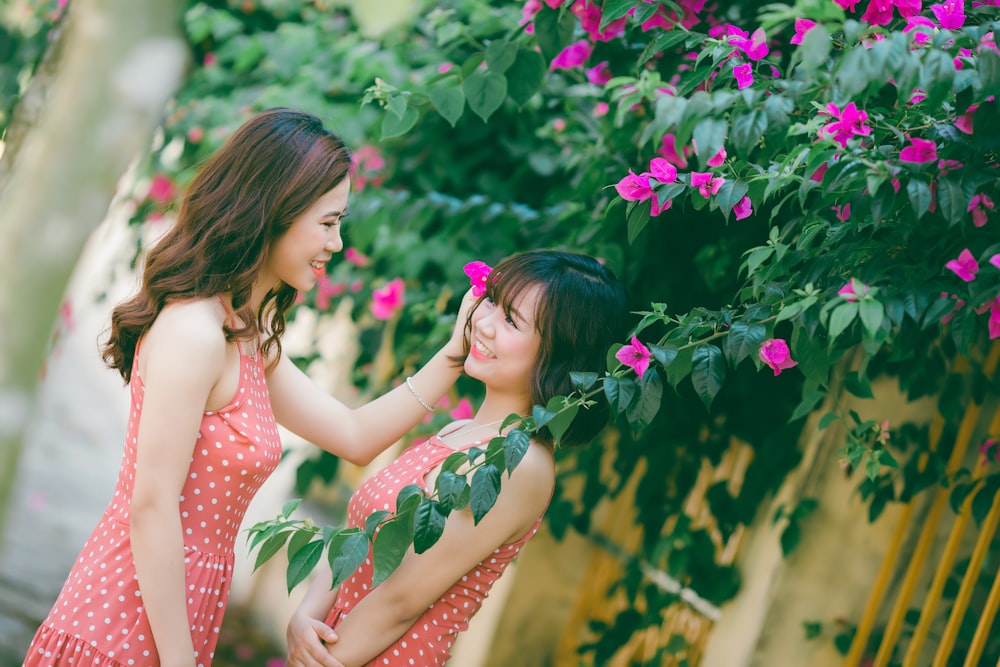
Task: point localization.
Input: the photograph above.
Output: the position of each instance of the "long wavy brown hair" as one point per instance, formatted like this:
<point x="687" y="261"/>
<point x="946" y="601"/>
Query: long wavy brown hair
<point x="243" y="199"/>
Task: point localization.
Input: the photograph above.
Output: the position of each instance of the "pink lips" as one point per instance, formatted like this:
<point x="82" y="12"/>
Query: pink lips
<point x="319" y="273"/>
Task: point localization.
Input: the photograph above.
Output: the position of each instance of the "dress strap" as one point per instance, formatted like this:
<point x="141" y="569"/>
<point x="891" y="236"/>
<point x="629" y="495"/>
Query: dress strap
<point x="229" y="311"/>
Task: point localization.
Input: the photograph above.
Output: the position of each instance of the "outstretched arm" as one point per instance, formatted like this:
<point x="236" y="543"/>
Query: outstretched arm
<point x="359" y="435"/>
<point x="387" y="612"/>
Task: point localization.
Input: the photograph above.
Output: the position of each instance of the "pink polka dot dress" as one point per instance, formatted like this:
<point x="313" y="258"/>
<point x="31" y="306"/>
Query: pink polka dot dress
<point x="429" y="640"/>
<point x="99" y="618"/>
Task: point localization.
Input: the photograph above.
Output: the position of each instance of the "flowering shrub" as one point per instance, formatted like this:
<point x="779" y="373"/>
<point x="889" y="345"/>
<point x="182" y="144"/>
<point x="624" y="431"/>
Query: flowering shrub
<point x="799" y="197"/>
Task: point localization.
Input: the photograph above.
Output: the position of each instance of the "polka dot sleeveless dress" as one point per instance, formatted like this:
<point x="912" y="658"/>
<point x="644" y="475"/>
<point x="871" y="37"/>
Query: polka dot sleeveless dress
<point x="99" y="618"/>
<point x="429" y="640"/>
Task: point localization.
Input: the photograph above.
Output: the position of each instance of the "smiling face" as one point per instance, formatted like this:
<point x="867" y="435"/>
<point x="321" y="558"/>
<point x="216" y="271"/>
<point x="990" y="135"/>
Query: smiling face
<point x="504" y="346"/>
<point x="299" y="257"/>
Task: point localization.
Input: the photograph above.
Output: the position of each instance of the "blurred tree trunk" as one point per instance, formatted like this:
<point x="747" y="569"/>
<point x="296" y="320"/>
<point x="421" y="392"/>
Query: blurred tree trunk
<point x="90" y="111"/>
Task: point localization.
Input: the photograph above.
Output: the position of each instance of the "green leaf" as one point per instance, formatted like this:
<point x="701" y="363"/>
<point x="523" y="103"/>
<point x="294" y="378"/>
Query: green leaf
<point x="302" y="563"/>
<point x="542" y="415"/>
<point x="583" y="381"/>
<point x="872" y="468"/>
<point x="920" y="196"/>
<point x="485" y="489"/>
<point x="790" y="537"/>
<point x="270" y="547"/>
<point x="553" y="30"/>
<point x="454" y="461"/>
<point x="729" y="195"/>
<point x="450" y="486"/>
<point x="299" y="540"/>
<point x="348" y="550"/>
<point x="951" y="199"/>
<point x="842" y="317"/>
<point x="485" y="92"/>
<point x="290" y="506"/>
<point x="614" y="10"/>
<point x="638" y="217"/>
<point x="872" y="315"/>
<point x="404" y="499"/>
<point x="525" y="76"/>
<point x="708" y="372"/>
<point x="428" y="525"/>
<point x="500" y="55"/>
<point x="826" y="420"/>
<point x="564" y="417"/>
<point x="748" y="129"/>
<point x="393" y="126"/>
<point x="743" y="340"/>
<point x="449" y="100"/>
<point x="709" y="136"/>
<point x="680" y="367"/>
<point x="373" y="520"/>
<point x="815" y="48"/>
<point x="390" y="546"/>
<point x="937" y="77"/>
<point x="989" y="73"/>
<point x="640" y="413"/>
<point x="858" y="385"/>
<point x="663" y="41"/>
<point x="515" y="444"/>
<point x="812" y="394"/>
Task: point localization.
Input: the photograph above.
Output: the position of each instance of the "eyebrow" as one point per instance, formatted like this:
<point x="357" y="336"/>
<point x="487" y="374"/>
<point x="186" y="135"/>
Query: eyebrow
<point x="336" y="214"/>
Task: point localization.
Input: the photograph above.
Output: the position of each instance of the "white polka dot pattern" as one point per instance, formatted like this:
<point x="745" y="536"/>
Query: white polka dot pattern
<point x="429" y="640"/>
<point x="99" y="619"/>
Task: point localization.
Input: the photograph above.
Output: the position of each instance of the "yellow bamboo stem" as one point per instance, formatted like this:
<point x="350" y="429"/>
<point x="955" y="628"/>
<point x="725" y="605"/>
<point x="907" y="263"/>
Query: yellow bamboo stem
<point x="979" y="552"/>
<point x="867" y="621"/>
<point x="985" y="620"/>
<point x="926" y="539"/>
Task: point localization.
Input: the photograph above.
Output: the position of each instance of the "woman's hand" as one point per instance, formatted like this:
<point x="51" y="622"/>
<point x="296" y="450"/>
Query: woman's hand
<point x="456" y="344"/>
<point x="306" y="637"/>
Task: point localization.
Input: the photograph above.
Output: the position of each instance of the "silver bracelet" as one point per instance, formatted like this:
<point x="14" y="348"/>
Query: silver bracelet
<point x="409" y="385"/>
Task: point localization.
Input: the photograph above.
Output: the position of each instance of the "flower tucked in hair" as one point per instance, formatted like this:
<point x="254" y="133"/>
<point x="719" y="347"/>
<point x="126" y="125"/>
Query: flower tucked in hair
<point x="477" y="272"/>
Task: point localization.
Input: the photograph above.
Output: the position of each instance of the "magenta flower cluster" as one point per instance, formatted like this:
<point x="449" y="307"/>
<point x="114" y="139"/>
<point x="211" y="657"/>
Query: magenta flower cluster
<point x="966" y="267"/>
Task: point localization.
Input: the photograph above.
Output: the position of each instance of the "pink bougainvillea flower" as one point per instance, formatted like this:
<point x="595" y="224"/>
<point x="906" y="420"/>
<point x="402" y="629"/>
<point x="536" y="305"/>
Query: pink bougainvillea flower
<point x="802" y="26"/>
<point x="853" y="290"/>
<point x="964" y="122"/>
<point x="849" y="5"/>
<point x="662" y="170"/>
<point x="462" y="410"/>
<point x="655" y="208"/>
<point x="162" y="190"/>
<point x="555" y="4"/>
<point x="388" y="300"/>
<point x="366" y="167"/>
<point x="356" y="257"/>
<point x="920" y="151"/>
<point x="817" y="175"/>
<point x="478" y="272"/>
<point x="754" y="46"/>
<point x="774" y="352"/>
<point x="634" y="187"/>
<point x="635" y="356"/>
<point x="959" y="304"/>
<point x="325" y="289"/>
<point x="599" y="74"/>
<point x="668" y="149"/>
<point x="908" y="8"/>
<point x="848" y="122"/>
<point x="706" y="184"/>
<point x="995" y="260"/>
<point x="878" y="12"/>
<point x="921" y="27"/>
<point x="743" y="208"/>
<point x="984" y="451"/>
<point x="965" y="267"/>
<point x="717" y="159"/>
<point x="950" y="14"/>
<point x="528" y="12"/>
<point x="979" y="204"/>
<point x="589" y="14"/>
<point x="573" y="56"/>
<point x="843" y="213"/>
<point x="744" y="75"/>
<point x="994" y="323"/>
<point x="601" y="109"/>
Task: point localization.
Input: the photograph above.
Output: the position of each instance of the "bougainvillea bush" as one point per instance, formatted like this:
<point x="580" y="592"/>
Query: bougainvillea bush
<point x="801" y="198"/>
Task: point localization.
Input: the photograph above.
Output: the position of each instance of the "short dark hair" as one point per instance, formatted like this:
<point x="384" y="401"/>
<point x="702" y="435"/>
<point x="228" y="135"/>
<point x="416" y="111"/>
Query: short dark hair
<point x="581" y="312"/>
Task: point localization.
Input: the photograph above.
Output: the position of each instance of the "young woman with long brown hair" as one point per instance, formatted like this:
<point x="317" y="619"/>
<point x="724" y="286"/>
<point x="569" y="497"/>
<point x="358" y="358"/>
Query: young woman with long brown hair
<point x="200" y="347"/>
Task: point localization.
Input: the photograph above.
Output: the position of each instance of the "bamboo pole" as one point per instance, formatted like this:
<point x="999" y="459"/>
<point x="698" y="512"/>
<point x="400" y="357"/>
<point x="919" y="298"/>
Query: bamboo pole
<point x="927" y="534"/>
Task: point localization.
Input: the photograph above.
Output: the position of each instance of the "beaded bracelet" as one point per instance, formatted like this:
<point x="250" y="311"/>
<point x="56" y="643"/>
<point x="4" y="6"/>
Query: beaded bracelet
<point x="409" y="385"/>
